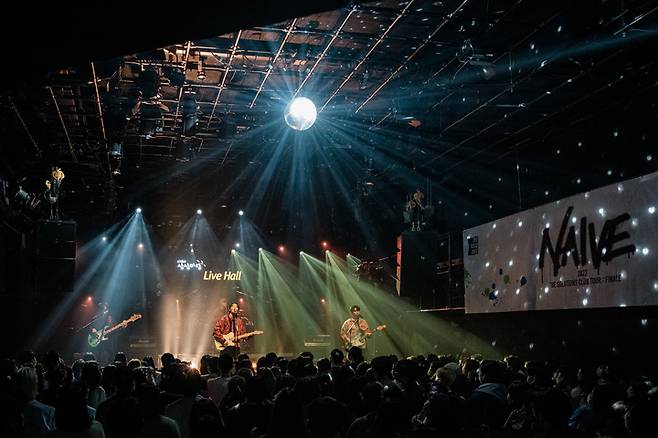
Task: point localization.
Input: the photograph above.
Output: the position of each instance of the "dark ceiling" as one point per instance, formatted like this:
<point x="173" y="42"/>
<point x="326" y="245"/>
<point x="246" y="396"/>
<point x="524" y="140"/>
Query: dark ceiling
<point x="490" y="106"/>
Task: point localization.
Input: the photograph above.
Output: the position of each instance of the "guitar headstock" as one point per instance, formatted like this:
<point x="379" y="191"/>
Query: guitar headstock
<point x="134" y="317"/>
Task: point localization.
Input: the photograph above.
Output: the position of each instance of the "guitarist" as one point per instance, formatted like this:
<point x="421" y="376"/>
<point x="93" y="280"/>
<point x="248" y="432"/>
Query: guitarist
<point x="230" y="323"/>
<point x="355" y="328"/>
<point x="103" y="320"/>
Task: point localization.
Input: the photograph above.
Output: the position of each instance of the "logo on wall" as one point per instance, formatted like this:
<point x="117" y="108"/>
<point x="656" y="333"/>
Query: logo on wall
<point x="472" y="245"/>
<point x="608" y="245"/>
<point x="184" y="265"/>
<point x="226" y="276"/>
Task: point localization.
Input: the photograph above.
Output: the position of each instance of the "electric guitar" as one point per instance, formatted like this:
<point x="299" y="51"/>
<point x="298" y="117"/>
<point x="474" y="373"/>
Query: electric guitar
<point x="230" y="340"/>
<point x="360" y="339"/>
<point x="97" y="336"/>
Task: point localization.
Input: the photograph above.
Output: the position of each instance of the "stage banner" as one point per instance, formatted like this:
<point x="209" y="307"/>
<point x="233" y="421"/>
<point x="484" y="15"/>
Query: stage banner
<point x="594" y="249"/>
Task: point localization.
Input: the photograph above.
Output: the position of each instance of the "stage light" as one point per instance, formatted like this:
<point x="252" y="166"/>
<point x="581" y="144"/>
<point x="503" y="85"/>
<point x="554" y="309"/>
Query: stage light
<point x="138" y="210"/>
<point x="104" y="238"/>
<point x="237" y="245"/>
<point x="322" y="301"/>
<point x="232" y="251"/>
<point x="282" y="248"/>
<point x="300" y="114"/>
<point x="140" y="246"/>
<point x="89" y="298"/>
<point x="241" y="213"/>
<point x="199" y="211"/>
<point x="325" y="244"/>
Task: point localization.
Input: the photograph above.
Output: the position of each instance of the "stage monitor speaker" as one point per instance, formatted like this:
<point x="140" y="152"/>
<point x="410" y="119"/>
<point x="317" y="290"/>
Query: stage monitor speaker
<point x="55" y="256"/>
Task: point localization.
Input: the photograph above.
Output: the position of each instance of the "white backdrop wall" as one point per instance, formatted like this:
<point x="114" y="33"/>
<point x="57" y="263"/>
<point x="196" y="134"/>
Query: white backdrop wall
<point x="594" y="249"/>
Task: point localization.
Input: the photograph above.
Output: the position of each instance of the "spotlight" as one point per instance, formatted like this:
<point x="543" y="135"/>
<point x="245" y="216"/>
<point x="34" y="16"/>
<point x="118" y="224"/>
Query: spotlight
<point x="232" y="251"/>
<point x="138" y="210"/>
<point x="199" y="211"/>
<point x="300" y="114"/>
<point x="282" y="248"/>
<point x="241" y="213"/>
<point x="301" y="252"/>
<point x="237" y="245"/>
<point x="322" y="301"/>
<point x="104" y="238"/>
<point x="89" y="298"/>
<point x="325" y="244"/>
<point x="140" y="246"/>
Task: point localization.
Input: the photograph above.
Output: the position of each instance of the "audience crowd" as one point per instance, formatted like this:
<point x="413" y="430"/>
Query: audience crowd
<point x="334" y="397"/>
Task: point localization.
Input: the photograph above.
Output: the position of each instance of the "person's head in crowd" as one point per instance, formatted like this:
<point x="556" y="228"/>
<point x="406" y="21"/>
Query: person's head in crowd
<point x="193" y="382"/>
<point x="225" y="364"/>
<point x="282" y="363"/>
<point x="372" y="395"/>
<point x="445" y="377"/>
<point x="470" y="368"/>
<point x="27" y="382"/>
<point x="109" y="379"/>
<point x="51" y="360"/>
<point x="76" y="368"/>
<point x="296" y="367"/>
<point x="261" y="362"/>
<point x="538" y="374"/>
<point x="355" y="355"/>
<point x="287" y="414"/>
<point x="245" y="363"/>
<point x="284" y="381"/>
<point x="167" y="359"/>
<point x="362" y="368"/>
<point x="120" y="358"/>
<point x="324" y="365"/>
<point x="148" y="361"/>
<point x="236" y="388"/>
<point x="144" y="375"/>
<point x="71" y="414"/>
<point x="203" y="364"/>
<point x="125" y="381"/>
<point x="327" y="418"/>
<point x="271" y="358"/>
<point x="309" y="370"/>
<point x="134" y="364"/>
<point x="205" y="419"/>
<point x="382" y="367"/>
<point x="519" y="394"/>
<point x="491" y="371"/>
<point x="27" y="358"/>
<point x="307" y="356"/>
<point x="243" y="356"/>
<point x="255" y="390"/>
<point x="514" y="363"/>
<point x="125" y="418"/>
<point x="337" y="357"/>
<point x="91" y="374"/>
<point x="213" y="365"/>
<point x="88" y="356"/>
<point x="245" y="373"/>
<point x="269" y="381"/>
<point x="552" y="410"/>
<point x="405" y="371"/>
<point x="149" y="399"/>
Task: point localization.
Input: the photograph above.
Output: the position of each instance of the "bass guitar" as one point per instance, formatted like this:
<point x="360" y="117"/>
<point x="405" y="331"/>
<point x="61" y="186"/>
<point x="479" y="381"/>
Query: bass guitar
<point x="97" y="336"/>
